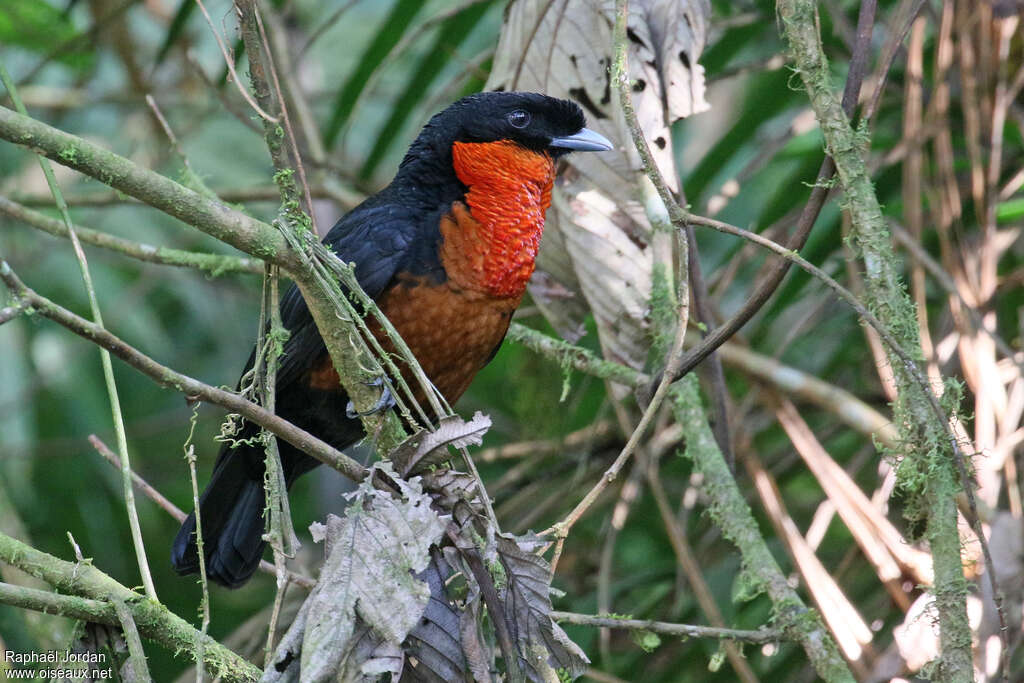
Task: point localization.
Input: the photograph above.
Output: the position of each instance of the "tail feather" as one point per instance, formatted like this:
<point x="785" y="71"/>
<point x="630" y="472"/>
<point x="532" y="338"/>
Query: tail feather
<point x="231" y="509"/>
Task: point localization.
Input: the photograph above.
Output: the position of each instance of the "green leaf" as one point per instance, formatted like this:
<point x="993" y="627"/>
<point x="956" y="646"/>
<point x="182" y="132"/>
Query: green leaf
<point x="453" y="33"/>
<point x="1010" y="210"/>
<point x="41" y="27"/>
<point x="391" y="32"/>
<point x="648" y="641"/>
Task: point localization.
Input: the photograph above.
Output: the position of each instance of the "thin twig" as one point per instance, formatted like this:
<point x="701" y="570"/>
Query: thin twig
<point x="819" y="193"/>
<point x="192" y="179"/>
<point x="278" y="35"/>
<point x="561" y="529"/>
<point x="140" y="483"/>
<point x="280" y="533"/>
<point x="296" y="156"/>
<point x="760" y="636"/>
<point x="204" y="583"/>
<point x="177" y="513"/>
<point x="716" y="375"/>
<point x="230" y="63"/>
<point x="322" y="28"/>
<point x="628" y="495"/>
<point x="108" y="370"/>
<point x="304" y="441"/>
<point x="136" y="665"/>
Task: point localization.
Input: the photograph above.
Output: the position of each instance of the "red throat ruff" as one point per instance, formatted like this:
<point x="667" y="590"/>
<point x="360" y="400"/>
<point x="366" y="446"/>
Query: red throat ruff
<point x="509" y="191"/>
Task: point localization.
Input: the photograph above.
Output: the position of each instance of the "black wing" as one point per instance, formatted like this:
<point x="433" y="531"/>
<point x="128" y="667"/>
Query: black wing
<point x="380" y="240"/>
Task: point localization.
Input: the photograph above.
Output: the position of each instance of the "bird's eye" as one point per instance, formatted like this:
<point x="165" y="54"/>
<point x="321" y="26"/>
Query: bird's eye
<point x="519" y="118"/>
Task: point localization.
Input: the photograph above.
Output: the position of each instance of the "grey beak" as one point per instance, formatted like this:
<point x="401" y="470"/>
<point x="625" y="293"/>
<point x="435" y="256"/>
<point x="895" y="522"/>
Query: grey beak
<point x="584" y="141"/>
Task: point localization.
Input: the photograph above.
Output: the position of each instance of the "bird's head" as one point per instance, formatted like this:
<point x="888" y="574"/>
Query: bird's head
<point x="486" y="164"/>
<point x="534" y="121"/>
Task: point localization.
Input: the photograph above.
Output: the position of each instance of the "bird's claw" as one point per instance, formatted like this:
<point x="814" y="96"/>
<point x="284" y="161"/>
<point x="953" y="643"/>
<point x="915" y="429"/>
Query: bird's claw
<point x="385" y="402"/>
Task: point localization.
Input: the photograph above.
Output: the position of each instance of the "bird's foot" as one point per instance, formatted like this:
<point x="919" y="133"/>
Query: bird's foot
<point x="385" y="402"/>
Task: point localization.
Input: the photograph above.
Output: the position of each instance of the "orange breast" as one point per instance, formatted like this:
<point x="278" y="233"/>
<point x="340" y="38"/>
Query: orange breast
<point x="489" y="244"/>
<point x="451" y="331"/>
<point x="496" y="241"/>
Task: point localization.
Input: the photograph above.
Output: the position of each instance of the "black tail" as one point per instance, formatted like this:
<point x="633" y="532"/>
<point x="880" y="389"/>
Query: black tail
<point x="231" y="508"/>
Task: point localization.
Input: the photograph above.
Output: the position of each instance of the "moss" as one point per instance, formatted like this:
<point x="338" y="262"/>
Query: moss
<point x="285" y="175"/>
<point x="497" y="571"/>
<point x="927" y="462"/>
<point x="69" y="155"/>
<point x="662" y="307"/>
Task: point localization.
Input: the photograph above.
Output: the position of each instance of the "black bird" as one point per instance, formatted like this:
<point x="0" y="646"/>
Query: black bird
<point x="446" y="251"/>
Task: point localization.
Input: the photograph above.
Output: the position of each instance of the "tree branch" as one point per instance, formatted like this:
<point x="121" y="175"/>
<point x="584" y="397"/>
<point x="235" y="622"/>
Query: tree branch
<point x="345" y="197"/>
<point x="933" y="456"/>
<point x="728" y="506"/>
<point x="758" y="637"/>
<point x="192" y="388"/>
<point x="177" y="513"/>
<point x="92" y="590"/>
<point x="733" y="516"/>
<point x="215" y="219"/>
<point x="214" y="264"/>
<point x="346" y="347"/>
<point x="569" y="355"/>
<point x="108" y="371"/>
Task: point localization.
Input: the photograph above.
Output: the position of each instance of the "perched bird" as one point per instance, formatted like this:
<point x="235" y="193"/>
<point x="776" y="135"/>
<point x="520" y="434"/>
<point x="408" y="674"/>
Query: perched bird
<point x="446" y="251"/>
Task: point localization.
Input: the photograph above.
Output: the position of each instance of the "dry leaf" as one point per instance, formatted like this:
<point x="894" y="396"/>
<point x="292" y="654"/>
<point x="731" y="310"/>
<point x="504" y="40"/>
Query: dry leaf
<point x="598" y="244"/>
<point x="368" y="598"/>
<point x="543" y="645"/>
<point x="426" y="448"/>
<point x="436" y="644"/>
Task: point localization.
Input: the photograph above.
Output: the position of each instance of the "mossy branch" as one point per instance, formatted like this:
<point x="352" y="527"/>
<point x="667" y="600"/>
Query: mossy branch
<point x="304" y="441"/>
<point x="569" y="355"/>
<point x="731" y="512"/>
<point x="728" y="505"/>
<point x="931" y="459"/>
<point x="214" y="264"/>
<point x="113" y="396"/>
<point x="91" y="595"/>
<point x="732" y="515"/>
<point x="343" y="330"/>
<point x="760" y="636"/>
<point x="224" y="223"/>
<point x="214" y="218"/>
